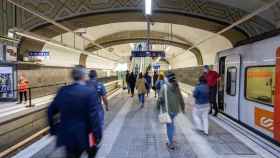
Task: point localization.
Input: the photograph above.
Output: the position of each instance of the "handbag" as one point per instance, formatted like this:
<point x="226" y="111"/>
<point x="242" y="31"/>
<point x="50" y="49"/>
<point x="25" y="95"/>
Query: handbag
<point x="164" y="117"/>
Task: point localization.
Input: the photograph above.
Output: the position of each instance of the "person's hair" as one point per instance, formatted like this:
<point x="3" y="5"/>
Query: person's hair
<point x="140" y="75"/>
<point x="92" y="74"/>
<point x="206" y="67"/>
<point x="161" y="77"/>
<point x="78" y="73"/>
<point x="202" y="79"/>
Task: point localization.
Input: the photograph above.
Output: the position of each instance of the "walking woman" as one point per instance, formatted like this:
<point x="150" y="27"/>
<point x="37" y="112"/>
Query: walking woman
<point x="202" y="106"/>
<point x="175" y="104"/>
<point x="141" y="89"/>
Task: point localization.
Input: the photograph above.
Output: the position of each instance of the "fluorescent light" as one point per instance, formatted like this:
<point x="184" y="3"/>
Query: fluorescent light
<point x="148" y="7"/>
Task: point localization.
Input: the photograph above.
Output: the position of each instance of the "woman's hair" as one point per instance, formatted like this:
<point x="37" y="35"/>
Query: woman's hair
<point x="161" y="77"/>
<point x="140" y="75"/>
<point x="202" y="79"/>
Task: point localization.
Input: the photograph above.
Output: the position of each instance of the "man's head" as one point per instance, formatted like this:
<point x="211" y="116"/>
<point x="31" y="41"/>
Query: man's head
<point x="92" y="74"/>
<point x="206" y="68"/>
<point x="79" y="73"/>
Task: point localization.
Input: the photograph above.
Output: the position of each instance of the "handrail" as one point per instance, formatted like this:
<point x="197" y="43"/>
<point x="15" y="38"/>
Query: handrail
<point x="29" y="92"/>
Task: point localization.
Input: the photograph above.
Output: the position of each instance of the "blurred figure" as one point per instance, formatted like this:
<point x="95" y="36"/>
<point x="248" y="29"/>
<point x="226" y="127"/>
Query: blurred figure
<point x="127" y="81"/>
<point x="23" y="87"/>
<point x="141" y="89"/>
<point x="212" y="78"/>
<point x="175" y="104"/>
<point x="159" y="83"/>
<point x="99" y="87"/>
<point x="132" y="81"/>
<point x="148" y="82"/>
<point x="78" y="111"/>
<point x="155" y="78"/>
<point x="201" y="107"/>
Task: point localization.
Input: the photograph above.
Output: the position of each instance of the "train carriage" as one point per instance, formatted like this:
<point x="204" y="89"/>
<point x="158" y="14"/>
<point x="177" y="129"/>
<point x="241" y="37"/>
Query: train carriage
<point x="249" y="89"/>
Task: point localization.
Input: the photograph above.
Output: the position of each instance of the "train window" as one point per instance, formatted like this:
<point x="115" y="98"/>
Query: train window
<point x="231" y="81"/>
<point x="260" y="84"/>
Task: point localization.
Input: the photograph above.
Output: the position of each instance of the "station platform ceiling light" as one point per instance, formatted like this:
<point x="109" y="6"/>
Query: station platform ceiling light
<point x="148" y="7"/>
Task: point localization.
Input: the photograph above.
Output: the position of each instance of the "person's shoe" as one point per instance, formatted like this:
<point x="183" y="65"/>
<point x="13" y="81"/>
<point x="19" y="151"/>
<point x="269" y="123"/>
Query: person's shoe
<point x="170" y="146"/>
<point x="18" y="102"/>
<point x="215" y="114"/>
<point x="210" y="112"/>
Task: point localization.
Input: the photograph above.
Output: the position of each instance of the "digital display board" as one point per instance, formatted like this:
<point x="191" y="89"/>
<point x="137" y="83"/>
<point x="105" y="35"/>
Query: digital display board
<point x="148" y="54"/>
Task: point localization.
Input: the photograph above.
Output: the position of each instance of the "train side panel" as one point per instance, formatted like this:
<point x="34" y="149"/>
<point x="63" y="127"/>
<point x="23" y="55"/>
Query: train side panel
<point x="257" y="84"/>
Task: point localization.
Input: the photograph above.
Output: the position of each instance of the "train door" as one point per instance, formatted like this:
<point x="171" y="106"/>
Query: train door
<point x="221" y="83"/>
<point x="231" y="85"/>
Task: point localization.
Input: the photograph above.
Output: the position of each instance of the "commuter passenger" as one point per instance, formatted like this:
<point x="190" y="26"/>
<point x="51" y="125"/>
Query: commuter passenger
<point x="212" y="78"/>
<point x="155" y="78"/>
<point x="78" y="112"/>
<point x="175" y="104"/>
<point x="127" y="81"/>
<point x="141" y="89"/>
<point x="101" y="94"/>
<point x="148" y="82"/>
<point x="201" y="107"/>
<point x="132" y="80"/>
<point x="23" y="87"/>
<point x="159" y="83"/>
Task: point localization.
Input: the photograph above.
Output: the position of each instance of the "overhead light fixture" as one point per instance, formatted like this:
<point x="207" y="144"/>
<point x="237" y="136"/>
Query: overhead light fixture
<point x="148" y="7"/>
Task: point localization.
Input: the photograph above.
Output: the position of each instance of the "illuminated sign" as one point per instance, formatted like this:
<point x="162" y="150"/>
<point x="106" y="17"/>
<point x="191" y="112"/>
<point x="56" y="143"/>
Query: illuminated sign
<point x="148" y="54"/>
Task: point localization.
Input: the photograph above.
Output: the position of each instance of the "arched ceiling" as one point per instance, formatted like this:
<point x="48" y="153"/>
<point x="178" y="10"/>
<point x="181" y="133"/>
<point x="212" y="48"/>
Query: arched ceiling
<point x="183" y="37"/>
<point x="209" y="16"/>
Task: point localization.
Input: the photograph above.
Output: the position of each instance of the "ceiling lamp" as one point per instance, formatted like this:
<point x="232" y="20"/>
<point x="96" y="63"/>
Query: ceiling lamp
<point x="148" y="7"/>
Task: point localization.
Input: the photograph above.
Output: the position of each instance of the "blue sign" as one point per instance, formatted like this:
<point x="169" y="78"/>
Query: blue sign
<point x="148" y="54"/>
<point x="39" y="54"/>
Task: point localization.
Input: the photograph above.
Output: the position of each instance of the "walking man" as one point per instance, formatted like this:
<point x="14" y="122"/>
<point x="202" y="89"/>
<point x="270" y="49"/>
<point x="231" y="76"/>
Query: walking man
<point x="78" y="111"/>
<point x="99" y="87"/>
<point x="212" y="78"/>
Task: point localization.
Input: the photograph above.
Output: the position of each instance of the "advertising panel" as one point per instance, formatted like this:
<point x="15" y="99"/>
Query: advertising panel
<point x="11" y="53"/>
<point x="6" y="82"/>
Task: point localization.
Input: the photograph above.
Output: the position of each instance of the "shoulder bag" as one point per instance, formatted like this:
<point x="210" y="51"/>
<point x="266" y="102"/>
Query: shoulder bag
<point x="164" y="117"/>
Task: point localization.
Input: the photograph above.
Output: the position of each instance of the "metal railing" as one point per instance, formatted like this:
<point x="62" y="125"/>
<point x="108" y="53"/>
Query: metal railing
<point x="16" y="132"/>
<point x="46" y="90"/>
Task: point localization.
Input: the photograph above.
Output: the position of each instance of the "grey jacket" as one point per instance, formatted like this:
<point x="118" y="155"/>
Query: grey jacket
<point x="175" y="100"/>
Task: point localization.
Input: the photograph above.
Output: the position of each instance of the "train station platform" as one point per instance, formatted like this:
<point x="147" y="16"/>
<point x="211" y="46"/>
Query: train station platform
<point x="134" y="132"/>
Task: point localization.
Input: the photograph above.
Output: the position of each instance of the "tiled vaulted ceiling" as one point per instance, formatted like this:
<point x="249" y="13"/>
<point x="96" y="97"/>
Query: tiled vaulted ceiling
<point x="208" y="9"/>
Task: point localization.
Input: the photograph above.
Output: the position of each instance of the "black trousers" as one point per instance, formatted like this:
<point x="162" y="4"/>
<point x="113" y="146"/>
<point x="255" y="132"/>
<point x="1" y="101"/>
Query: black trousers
<point x="132" y="87"/>
<point x="212" y="99"/>
<point x="21" y="94"/>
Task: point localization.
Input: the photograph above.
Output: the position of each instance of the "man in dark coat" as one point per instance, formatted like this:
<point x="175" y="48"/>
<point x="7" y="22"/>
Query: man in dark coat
<point x="132" y="82"/>
<point x="77" y="107"/>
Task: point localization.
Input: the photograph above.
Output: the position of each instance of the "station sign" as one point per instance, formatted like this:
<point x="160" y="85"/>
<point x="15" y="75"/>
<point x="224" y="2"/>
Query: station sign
<point x="148" y="54"/>
<point x="38" y="55"/>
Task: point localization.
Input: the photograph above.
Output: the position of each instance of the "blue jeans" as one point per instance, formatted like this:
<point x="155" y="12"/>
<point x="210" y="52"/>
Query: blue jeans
<point x="141" y="98"/>
<point x="171" y="128"/>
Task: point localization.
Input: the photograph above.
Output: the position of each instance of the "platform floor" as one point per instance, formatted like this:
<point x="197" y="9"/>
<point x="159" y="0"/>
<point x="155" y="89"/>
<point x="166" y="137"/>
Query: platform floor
<point x="132" y="132"/>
